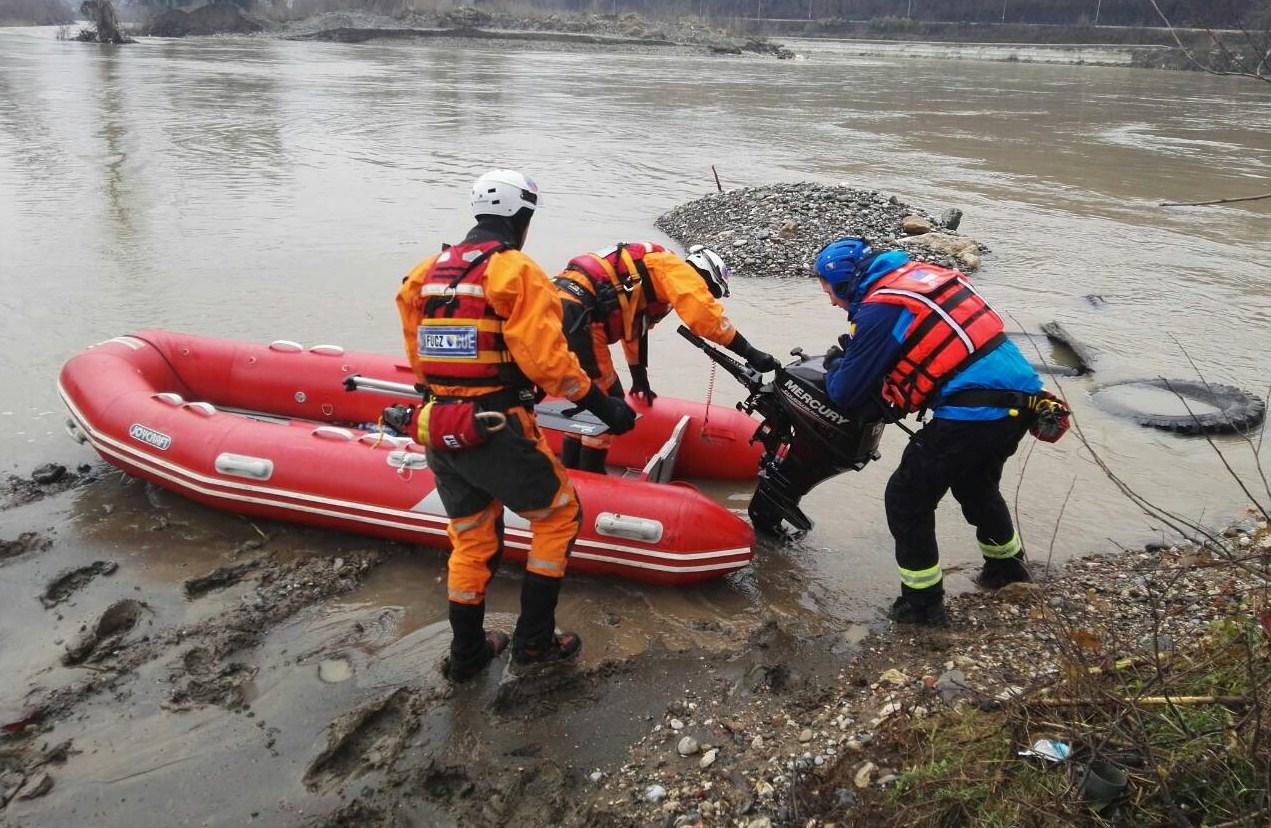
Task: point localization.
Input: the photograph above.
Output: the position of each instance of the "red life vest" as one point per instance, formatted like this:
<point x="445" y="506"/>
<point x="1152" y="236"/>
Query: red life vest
<point x="952" y="328"/>
<point x="626" y="302"/>
<point x="460" y="337"/>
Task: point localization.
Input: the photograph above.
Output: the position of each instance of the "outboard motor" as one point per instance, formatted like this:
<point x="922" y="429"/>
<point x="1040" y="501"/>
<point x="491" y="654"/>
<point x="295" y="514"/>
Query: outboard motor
<point x="805" y="438"/>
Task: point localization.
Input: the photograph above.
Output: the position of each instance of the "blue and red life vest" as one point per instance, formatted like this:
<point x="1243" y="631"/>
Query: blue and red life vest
<point x="952" y="327"/>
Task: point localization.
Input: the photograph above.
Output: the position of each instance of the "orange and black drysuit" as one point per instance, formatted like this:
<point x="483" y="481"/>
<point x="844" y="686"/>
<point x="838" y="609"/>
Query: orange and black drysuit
<point x="617" y="295"/>
<point x="481" y="321"/>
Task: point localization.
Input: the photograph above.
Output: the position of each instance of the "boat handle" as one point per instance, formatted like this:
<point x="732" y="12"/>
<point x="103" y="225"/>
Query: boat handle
<point x="408" y="460"/>
<point x="77" y="433"/>
<point x="614" y="525"/>
<point x="204" y="408"/>
<point x="170" y="398"/>
<point x="333" y="433"/>
<point x="241" y="465"/>
<point x="286" y="346"/>
<point x="327" y="350"/>
<point x="376" y="439"/>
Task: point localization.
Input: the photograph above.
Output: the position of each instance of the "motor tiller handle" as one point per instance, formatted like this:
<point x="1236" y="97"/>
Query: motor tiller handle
<point x="740" y="371"/>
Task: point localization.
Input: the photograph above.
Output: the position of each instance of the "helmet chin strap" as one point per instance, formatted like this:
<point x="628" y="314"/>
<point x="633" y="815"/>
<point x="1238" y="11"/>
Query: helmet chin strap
<point x="848" y="286"/>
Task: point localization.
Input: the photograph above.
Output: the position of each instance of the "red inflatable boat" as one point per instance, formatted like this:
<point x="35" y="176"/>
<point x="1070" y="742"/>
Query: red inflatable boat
<point x="269" y="430"/>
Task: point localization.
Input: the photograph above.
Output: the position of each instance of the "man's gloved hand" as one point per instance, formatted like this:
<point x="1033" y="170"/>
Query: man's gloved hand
<point x="398" y="418"/>
<point x="755" y="358"/>
<point x="640" y="384"/>
<point x="612" y="411"/>
<point x="833" y="355"/>
<point x="762" y="361"/>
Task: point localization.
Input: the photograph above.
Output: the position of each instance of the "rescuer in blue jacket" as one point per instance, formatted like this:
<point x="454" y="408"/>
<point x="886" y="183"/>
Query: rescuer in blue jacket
<point x="920" y="338"/>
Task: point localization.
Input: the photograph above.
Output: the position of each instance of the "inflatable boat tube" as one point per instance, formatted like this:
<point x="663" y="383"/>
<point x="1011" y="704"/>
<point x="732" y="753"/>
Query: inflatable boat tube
<point x="269" y="431"/>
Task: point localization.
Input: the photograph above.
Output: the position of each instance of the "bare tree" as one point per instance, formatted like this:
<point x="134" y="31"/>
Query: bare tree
<point x="1245" y="53"/>
<point x="102" y="12"/>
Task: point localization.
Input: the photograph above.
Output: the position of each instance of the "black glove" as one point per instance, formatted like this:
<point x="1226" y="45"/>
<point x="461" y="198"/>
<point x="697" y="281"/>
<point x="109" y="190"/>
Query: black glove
<point x="612" y="411"/>
<point x="832" y="356"/>
<point x="845" y="342"/>
<point x="398" y="417"/>
<point x="640" y="384"/>
<point x="755" y="358"/>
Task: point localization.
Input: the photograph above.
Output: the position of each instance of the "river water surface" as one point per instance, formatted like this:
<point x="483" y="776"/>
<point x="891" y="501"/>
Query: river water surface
<point x="262" y="189"/>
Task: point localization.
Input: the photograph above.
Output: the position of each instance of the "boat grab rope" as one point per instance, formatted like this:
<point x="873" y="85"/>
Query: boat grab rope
<point x="710" y="392"/>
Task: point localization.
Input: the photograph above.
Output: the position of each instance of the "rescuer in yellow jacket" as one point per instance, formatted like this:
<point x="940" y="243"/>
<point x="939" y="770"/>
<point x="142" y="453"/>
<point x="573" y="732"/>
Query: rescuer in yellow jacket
<point x="482" y="329"/>
<point x="617" y="295"/>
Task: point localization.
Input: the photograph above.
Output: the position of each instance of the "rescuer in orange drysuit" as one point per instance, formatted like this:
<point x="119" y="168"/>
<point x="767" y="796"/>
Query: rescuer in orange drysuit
<point x="617" y="295"/>
<point x="482" y="329"/>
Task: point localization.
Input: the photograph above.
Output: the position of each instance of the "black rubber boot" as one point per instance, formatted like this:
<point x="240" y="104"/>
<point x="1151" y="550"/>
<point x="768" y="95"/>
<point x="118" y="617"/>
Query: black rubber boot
<point x="924" y="607"/>
<point x="569" y="450"/>
<point x="592" y="459"/>
<point x="472" y="648"/>
<point x="998" y="572"/>
<point x="563" y="647"/>
<point x="535" y="640"/>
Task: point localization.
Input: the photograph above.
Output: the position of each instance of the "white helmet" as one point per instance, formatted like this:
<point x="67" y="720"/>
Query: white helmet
<point x="503" y="193"/>
<point x="711" y="268"/>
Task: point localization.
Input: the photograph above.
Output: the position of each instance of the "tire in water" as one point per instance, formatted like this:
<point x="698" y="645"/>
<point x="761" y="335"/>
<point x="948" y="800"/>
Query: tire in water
<point x="1234" y="409"/>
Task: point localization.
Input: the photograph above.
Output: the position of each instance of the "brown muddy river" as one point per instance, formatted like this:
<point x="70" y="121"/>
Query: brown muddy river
<point x="260" y="189"/>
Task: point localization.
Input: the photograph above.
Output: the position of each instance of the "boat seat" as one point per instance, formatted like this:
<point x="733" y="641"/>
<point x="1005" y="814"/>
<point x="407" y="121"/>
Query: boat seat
<point x="661" y="466"/>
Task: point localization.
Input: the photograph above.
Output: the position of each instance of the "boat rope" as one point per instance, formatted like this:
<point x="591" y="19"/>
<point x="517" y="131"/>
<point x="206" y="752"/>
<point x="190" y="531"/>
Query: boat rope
<point x="710" y="392"/>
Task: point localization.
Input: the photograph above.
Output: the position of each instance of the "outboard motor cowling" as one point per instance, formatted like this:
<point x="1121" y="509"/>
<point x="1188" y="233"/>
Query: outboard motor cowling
<point x="806" y="439"/>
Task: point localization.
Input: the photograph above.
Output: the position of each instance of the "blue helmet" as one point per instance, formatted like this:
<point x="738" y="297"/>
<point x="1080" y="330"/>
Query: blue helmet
<point x="838" y="264"/>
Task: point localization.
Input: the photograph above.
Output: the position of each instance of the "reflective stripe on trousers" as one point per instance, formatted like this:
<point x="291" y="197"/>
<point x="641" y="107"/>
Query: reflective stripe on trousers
<point x="921" y="578"/>
<point x="1002" y="550"/>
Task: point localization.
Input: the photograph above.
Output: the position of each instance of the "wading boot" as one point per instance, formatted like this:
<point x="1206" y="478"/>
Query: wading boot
<point x="923" y="607"/>
<point x="569" y="449"/>
<point x="562" y="647"/>
<point x="998" y="572"/>
<point x="536" y="641"/>
<point x="592" y="459"/>
<point x="472" y="647"/>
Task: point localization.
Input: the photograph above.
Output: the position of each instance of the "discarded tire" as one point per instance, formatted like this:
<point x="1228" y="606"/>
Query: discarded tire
<point x="1214" y="409"/>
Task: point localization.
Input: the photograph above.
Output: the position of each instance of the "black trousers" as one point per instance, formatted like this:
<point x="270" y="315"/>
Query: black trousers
<point x="965" y="457"/>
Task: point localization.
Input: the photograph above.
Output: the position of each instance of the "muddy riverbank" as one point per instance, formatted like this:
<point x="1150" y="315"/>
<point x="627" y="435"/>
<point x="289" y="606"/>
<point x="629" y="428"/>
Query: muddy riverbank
<point x="329" y="710"/>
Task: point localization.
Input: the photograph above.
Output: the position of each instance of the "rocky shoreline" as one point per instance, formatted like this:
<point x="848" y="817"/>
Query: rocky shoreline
<point x="828" y="755"/>
<point x="777" y="230"/>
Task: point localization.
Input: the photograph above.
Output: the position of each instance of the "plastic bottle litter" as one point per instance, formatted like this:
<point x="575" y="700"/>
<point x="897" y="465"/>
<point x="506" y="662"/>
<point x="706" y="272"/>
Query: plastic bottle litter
<point x="1050" y="750"/>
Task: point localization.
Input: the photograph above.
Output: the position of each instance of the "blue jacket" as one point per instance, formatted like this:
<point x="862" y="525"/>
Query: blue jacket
<point x="877" y="333"/>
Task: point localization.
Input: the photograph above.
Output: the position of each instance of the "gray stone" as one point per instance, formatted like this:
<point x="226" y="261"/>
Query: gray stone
<point x="36" y="786"/>
<point x="687" y="746"/>
<point x="952" y="685"/>
<point x="951" y="218"/>
<point x="48" y="473"/>
<point x="844" y="798"/>
<point x="655" y="794"/>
